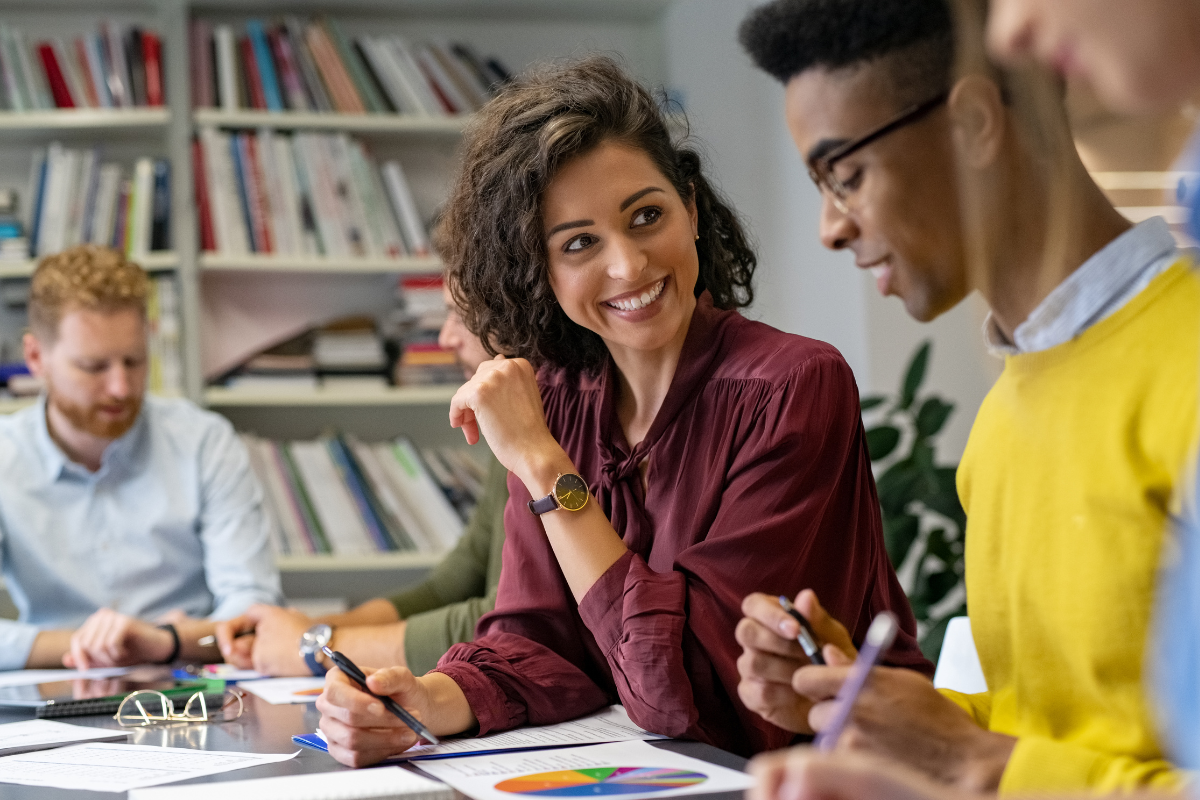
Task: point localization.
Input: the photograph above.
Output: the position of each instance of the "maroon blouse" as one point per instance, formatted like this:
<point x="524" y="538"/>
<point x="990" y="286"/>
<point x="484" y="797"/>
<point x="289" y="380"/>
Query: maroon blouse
<point x="759" y="481"/>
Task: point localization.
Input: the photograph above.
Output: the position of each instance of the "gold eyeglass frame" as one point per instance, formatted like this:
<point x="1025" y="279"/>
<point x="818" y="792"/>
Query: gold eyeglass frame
<point x="136" y="716"/>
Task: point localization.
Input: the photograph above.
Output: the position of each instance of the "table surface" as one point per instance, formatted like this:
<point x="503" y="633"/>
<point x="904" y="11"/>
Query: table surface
<point x="265" y="728"/>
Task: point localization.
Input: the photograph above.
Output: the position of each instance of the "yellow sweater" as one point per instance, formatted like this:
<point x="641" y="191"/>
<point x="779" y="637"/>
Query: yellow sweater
<point x="1068" y="480"/>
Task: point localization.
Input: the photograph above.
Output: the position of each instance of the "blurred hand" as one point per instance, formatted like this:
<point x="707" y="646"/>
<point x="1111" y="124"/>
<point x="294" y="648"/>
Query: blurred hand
<point x="274" y="649"/>
<point x="771" y="655"/>
<point x="110" y="639"/>
<point x="801" y="773"/>
<point x="899" y="715"/>
<point x="360" y="731"/>
<point x="502" y="401"/>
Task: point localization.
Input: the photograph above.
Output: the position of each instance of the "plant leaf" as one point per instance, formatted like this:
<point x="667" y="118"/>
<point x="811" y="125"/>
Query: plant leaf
<point x="914" y="376"/>
<point x="871" y="402"/>
<point x="896" y="487"/>
<point x="899" y="533"/>
<point x="882" y="440"/>
<point x="933" y="416"/>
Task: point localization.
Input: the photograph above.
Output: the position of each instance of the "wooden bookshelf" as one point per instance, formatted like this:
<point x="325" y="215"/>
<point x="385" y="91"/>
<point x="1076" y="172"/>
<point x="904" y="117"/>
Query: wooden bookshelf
<point x="154" y="262"/>
<point x="256" y="262"/>
<point x="83" y="119"/>
<point x="392" y="396"/>
<point x="352" y="123"/>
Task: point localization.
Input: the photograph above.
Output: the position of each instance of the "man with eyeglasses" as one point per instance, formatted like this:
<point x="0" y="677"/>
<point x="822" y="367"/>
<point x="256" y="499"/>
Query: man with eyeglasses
<point x="943" y="183"/>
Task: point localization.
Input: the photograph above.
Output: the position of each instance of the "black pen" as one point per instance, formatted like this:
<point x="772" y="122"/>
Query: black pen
<point x="807" y="637"/>
<point x="355" y="674"/>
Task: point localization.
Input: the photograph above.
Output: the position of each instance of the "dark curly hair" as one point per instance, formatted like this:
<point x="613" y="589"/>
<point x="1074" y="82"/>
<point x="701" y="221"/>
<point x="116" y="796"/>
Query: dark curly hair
<point x="490" y="234"/>
<point x="788" y="37"/>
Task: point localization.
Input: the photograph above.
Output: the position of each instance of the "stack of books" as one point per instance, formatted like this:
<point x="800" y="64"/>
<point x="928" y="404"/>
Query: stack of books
<point x="78" y="199"/>
<point x="347" y="355"/>
<point x="422" y="360"/>
<point x="13" y="244"/>
<point x="307" y="194"/>
<point x="315" y="66"/>
<point x="118" y="67"/>
<point x="342" y="496"/>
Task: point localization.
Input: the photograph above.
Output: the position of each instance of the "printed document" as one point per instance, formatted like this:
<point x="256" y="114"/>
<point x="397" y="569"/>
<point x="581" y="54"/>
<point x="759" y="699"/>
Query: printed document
<point x="25" y="677"/>
<point x="121" y="767"/>
<point x="363" y="784"/>
<point x="42" y="734"/>
<point x="630" y="770"/>
<point x="281" y="691"/>
<point x="610" y="725"/>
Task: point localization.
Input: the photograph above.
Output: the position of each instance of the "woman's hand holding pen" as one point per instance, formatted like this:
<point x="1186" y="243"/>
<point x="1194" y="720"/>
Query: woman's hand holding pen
<point x="361" y="731"/>
<point x="771" y="656"/>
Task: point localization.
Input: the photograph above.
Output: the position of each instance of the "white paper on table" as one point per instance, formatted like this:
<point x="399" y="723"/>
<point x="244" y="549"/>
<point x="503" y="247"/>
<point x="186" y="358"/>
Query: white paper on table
<point x="121" y="767"/>
<point x="510" y="776"/>
<point x="281" y="691"/>
<point x="24" y="677"/>
<point x="41" y="734"/>
<point x="391" y="782"/>
<point x="609" y="725"/>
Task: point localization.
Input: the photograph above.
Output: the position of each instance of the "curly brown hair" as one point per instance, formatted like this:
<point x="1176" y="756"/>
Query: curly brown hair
<point x="87" y="276"/>
<point x="491" y="235"/>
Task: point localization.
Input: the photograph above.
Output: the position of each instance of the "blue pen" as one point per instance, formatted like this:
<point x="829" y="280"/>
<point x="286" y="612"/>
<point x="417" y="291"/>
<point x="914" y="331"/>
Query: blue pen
<point x="880" y="636"/>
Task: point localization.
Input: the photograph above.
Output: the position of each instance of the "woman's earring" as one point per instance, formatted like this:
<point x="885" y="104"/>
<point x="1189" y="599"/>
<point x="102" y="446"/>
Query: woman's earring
<point x="697" y="237"/>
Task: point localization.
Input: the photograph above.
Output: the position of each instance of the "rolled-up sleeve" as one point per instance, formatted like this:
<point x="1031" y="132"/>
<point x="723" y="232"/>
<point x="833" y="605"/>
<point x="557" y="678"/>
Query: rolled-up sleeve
<point x="239" y="566"/>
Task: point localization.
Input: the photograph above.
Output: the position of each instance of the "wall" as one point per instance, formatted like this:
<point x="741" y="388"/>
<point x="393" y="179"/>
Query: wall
<point x="736" y="112"/>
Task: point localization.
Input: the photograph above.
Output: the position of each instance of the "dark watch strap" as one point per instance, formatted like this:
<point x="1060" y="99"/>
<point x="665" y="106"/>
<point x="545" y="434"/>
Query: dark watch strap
<point x="547" y="503"/>
<point x="318" y="670"/>
<point x="169" y="628"/>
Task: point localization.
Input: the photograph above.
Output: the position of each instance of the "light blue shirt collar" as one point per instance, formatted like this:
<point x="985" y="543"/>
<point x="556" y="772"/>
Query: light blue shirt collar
<point x="119" y="454"/>
<point x="1101" y="286"/>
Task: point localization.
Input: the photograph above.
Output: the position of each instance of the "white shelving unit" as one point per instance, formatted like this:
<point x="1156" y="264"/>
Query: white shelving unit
<point x="351" y="123"/>
<point x="255" y="262"/>
<point x="392" y="396"/>
<point x="519" y="32"/>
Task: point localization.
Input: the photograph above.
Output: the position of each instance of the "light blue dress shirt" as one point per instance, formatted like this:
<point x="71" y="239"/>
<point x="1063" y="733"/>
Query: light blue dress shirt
<point x="173" y="519"/>
<point x="1114" y="275"/>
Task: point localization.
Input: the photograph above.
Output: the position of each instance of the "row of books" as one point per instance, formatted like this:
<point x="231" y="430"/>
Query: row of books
<point x="77" y="198"/>
<point x="341" y="496"/>
<point x="302" y="194"/>
<point x="315" y="66"/>
<point x="422" y="361"/>
<point x="118" y="66"/>
<point x="346" y="354"/>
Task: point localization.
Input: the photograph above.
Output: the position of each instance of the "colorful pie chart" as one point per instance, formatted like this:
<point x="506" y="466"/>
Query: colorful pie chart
<point x="601" y="781"/>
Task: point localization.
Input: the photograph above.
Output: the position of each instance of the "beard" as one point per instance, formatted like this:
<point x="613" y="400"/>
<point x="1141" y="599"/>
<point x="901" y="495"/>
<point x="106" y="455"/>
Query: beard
<point x="89" y="419"/>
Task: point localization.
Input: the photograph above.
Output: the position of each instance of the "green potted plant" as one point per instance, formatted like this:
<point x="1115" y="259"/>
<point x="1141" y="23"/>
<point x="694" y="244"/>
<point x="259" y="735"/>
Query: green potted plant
<point x="923" y="522"/>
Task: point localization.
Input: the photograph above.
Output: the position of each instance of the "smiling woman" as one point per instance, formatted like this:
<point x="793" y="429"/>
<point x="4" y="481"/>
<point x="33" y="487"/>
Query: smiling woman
<point x="667" y="456"/>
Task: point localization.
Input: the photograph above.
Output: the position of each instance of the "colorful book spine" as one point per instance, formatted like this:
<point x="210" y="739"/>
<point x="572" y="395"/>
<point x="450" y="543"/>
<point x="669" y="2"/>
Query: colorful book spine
<point x="54" y="76"/>
<point x="265" y="68"/>
<point x="208" y="239"/>
<point x="152" y="60"/>
<point x="346" y="472"/>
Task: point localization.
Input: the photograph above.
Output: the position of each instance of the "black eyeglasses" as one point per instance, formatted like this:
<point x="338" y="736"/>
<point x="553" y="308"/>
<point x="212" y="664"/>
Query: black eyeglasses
<point x="821" y="168"/>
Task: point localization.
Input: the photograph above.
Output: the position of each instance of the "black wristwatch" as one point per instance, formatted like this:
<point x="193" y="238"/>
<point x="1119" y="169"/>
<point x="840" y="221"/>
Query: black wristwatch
<point x="311" y="642"/>
<point x="570" y="493"/>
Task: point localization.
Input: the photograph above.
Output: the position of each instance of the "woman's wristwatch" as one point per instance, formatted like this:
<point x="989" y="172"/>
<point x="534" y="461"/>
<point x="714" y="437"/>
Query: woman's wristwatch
<point x="311" y="642"/>
<point x="570" y="493"/>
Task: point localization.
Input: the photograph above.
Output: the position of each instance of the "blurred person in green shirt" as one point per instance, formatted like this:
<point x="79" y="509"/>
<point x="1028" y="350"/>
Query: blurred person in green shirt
<point x="412" y="628"/>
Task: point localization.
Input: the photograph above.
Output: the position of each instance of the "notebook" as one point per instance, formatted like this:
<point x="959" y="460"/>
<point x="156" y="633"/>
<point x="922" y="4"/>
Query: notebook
<point x="381" y="783"/>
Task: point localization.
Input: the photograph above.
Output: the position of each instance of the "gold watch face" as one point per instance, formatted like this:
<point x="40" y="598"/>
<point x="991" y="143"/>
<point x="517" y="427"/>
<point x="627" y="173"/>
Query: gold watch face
<point x="571" y="492"/>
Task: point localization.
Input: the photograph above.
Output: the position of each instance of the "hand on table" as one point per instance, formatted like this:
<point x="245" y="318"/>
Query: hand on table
<point x="771" y="655"/>
<point x="274" y="649"/>
<point x="111" y="639"/>
<point x="360" y="731"/>
<point x="801" y="773"/>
